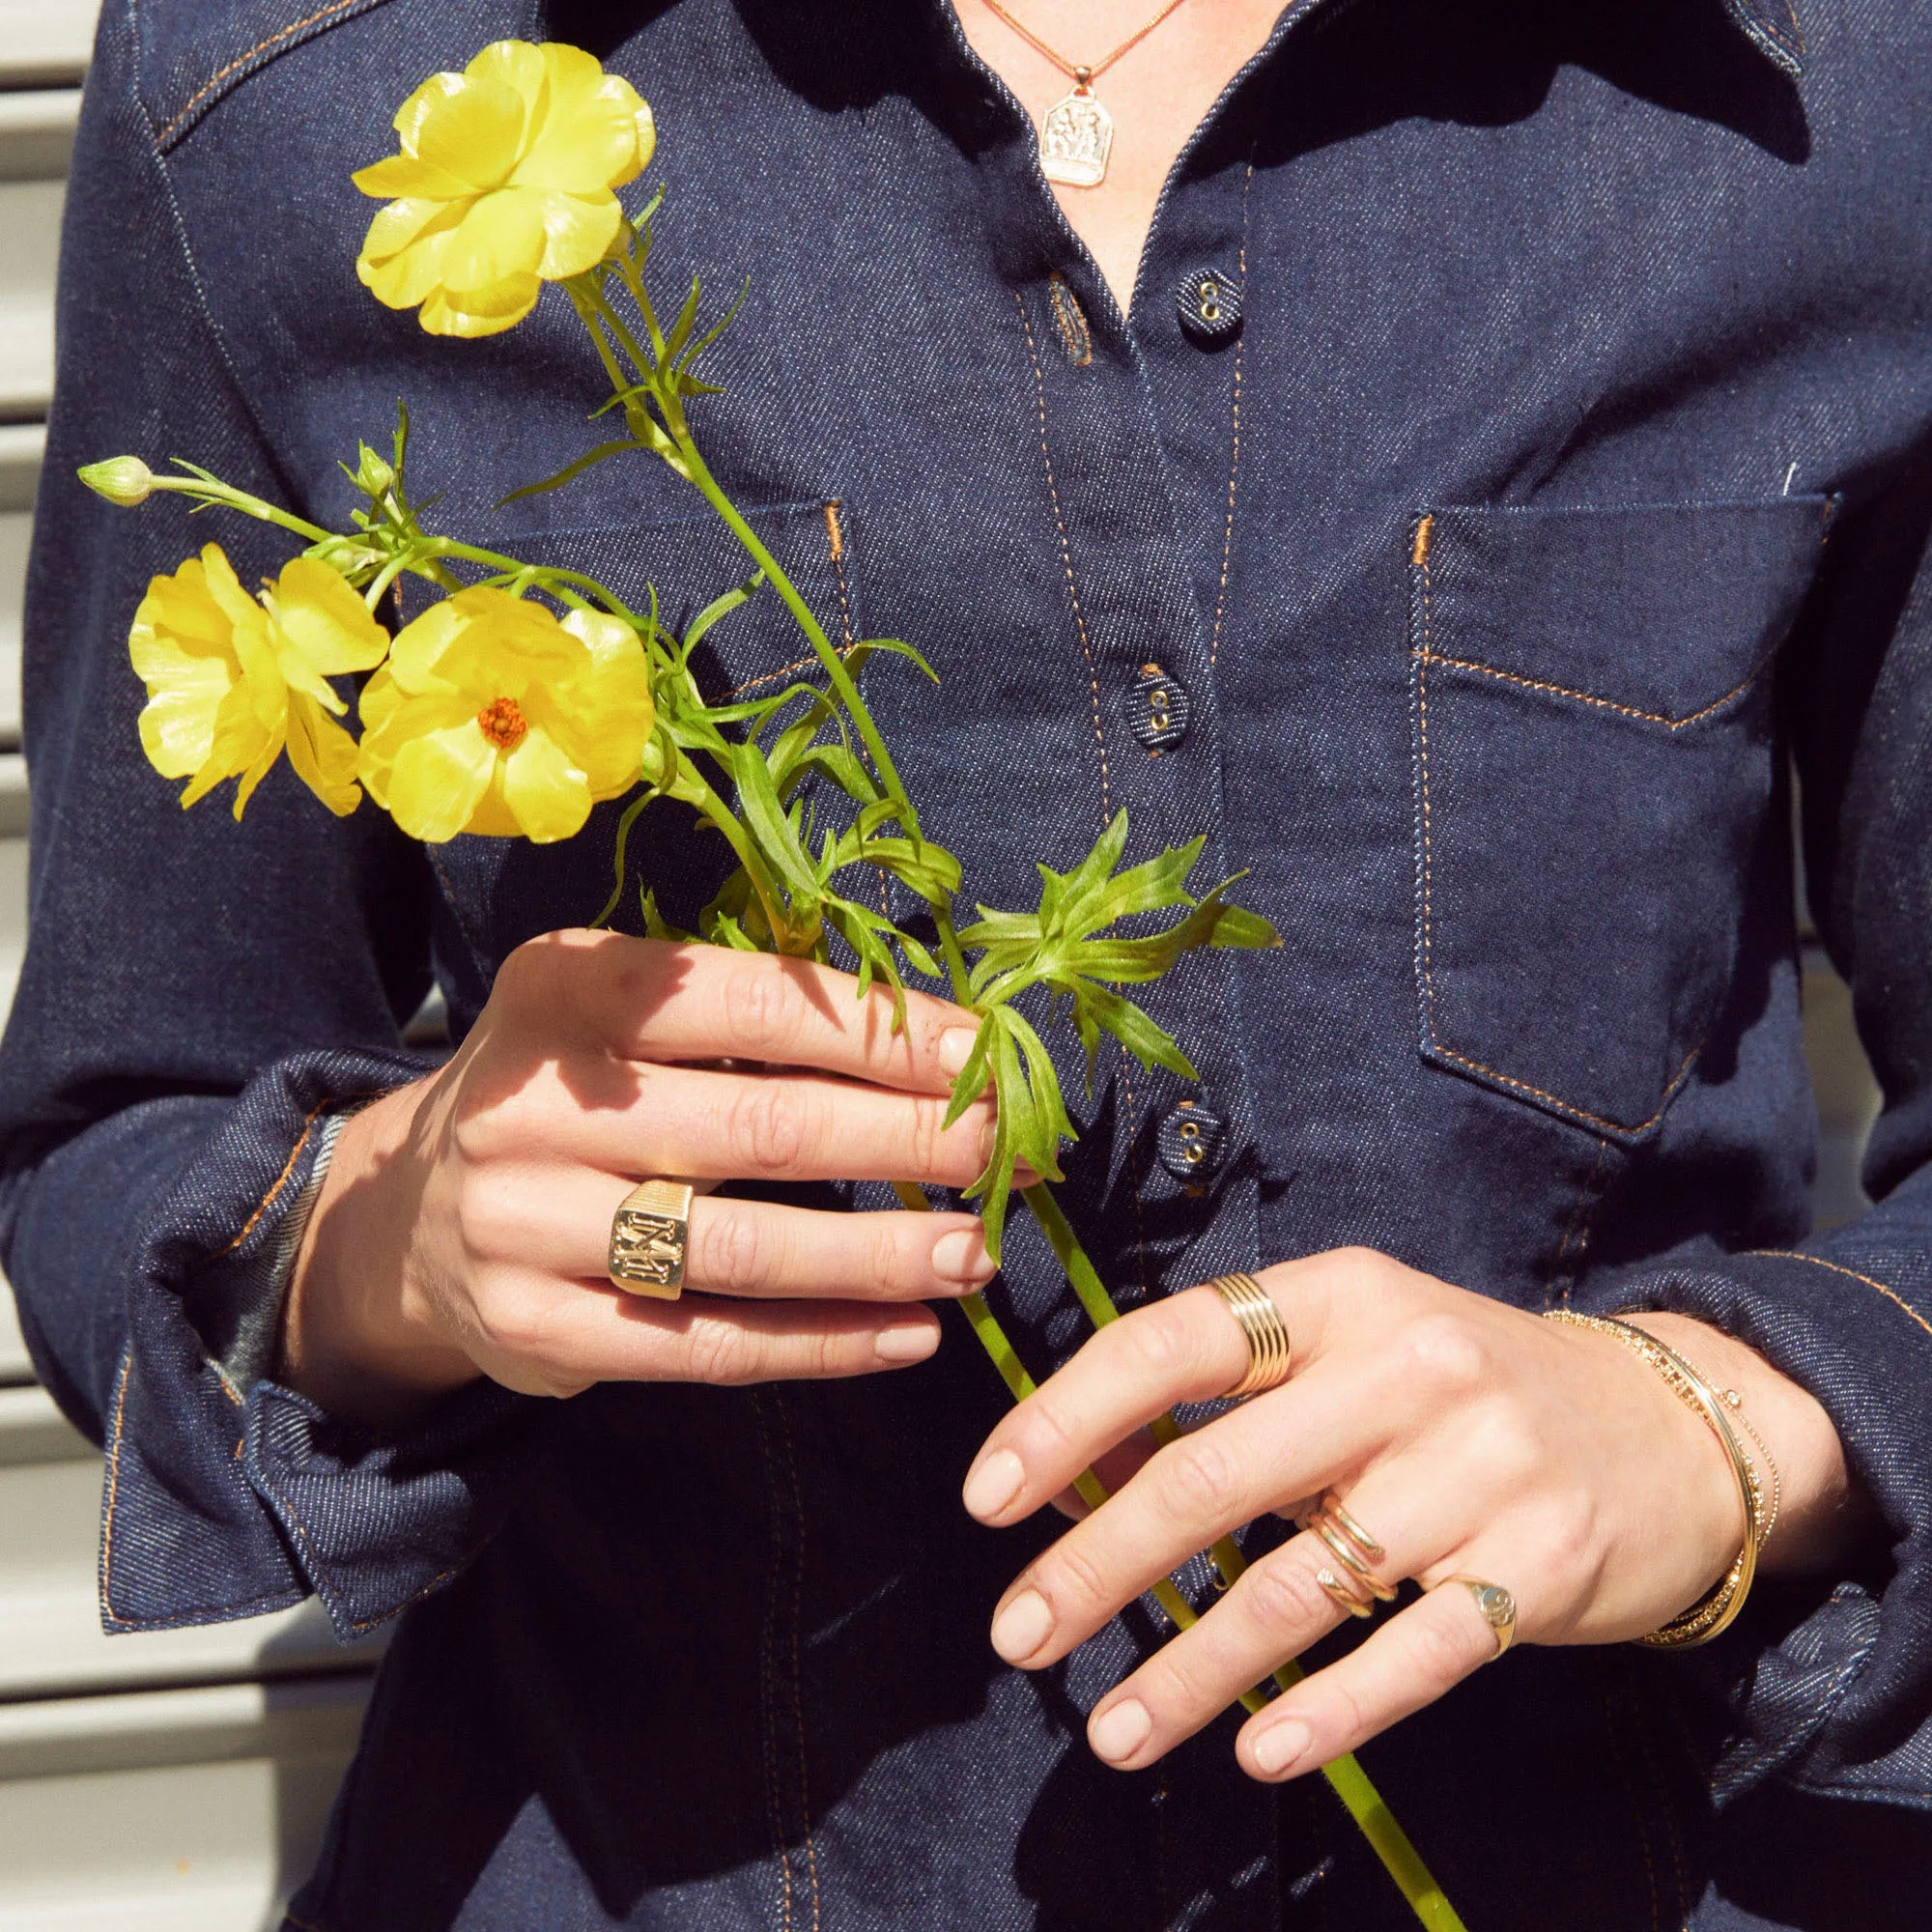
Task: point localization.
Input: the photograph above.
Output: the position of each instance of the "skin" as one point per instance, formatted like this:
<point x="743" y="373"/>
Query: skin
<point x="462" y="1228"/>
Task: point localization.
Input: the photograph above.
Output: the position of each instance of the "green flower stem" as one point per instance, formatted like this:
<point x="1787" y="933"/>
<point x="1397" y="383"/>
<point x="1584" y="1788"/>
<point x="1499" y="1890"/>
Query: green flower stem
<point x="1350" y="1783"/>
<point x="209" y="490"/>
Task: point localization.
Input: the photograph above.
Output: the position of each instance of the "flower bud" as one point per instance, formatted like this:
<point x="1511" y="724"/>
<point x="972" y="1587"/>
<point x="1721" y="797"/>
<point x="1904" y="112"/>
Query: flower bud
<point x="373" y="475"/>
<point x="121" y="479"/>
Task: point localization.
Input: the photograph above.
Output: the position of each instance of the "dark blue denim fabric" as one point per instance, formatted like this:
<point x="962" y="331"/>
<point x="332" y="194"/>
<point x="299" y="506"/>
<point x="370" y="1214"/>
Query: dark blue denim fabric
<point x="1567" y="476"/>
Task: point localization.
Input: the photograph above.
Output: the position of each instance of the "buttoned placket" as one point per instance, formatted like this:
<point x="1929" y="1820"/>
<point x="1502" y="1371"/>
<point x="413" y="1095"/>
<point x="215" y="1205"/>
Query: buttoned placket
<point x="1180" y="1200"/>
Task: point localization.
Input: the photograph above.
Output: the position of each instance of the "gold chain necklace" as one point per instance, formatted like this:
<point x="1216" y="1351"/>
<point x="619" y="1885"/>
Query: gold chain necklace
<point x="1077" y="134"/>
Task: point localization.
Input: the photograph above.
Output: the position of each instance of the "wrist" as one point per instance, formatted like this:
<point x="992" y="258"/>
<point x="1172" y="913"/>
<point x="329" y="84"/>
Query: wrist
<point x="1823" y="1514"/>
<point x="356" y="1338"/>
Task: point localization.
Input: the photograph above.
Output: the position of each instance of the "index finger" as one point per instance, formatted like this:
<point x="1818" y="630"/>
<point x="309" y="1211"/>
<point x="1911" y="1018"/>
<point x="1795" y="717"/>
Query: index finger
<point x="650" y="999"/>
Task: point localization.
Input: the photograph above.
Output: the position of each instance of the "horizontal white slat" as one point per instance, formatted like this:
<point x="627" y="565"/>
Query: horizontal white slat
<point x="30" y="218"/>
<point x="32" y="1430"/>
<point x="46" y="41"/>
<point x="14" y="1365"/>
<point x="51" y="1637"/>
<point x="37" y="132"/>
<point x="22" y="445"/>
<point x="15" y="529"/>
<point x="210" y="1723"/>
<point x="203" y="1848"/>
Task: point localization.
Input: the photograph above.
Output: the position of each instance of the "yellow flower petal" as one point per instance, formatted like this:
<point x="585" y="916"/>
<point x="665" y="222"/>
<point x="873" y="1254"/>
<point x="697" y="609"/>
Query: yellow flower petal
<point x="178" y="721"/>
<point x="547" y="795"/>
<point x="588" y="137"/>
<point x="475" y="133"/>
<point x="515" y="65"/>
<point x="323" y="755"/>
<point x="502" y="235"/>
<point x="437" y="781"/>
<point x="325" y="621"/>
<point x="481" y="311"/>
<point x="406" y="176"/>
<point x="578" y="233"/>
<point x="410" y="115"/>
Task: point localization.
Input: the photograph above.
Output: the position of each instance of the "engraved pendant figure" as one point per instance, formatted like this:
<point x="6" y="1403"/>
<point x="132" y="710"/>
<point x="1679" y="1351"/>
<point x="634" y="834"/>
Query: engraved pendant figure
<point x="1075" y="139"/>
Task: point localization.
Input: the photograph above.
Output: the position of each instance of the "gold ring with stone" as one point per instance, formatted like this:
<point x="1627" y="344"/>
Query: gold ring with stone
<point x="1270" y="1352"/>
<point x="650" y="1233"/>
<point x="1498" y="1605"/>
<point x="1353" y="1546"/>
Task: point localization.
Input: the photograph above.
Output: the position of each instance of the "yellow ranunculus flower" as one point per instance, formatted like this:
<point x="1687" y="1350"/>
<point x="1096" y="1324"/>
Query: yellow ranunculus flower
<point x="505" y="183"/>
<point x="493" y="717"/>
<point x="233" y="680"/>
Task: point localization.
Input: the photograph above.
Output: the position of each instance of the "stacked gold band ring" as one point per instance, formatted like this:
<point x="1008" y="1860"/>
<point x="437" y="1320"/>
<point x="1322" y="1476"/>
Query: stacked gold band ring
<point x="649" y="1236"/>
<point x="1358" y="1589"/>
<point x="1270" y="1352"/>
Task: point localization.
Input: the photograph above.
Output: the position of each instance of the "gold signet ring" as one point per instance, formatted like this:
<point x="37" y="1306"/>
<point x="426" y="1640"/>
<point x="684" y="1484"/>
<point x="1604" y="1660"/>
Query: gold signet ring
<point x="649" y="1234"/>
<point x="1270" y="1353"/>
<point x="1498" y="1605"/>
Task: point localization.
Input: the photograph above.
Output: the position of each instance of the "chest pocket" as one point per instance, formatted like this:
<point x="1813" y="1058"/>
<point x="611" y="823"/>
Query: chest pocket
<point x="1593" y="755"/>
<point x="503" y="891"/>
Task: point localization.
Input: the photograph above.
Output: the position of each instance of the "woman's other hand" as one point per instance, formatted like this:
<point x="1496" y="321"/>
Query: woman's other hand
<point x="1466" y="1438"/>
<point x="464" y="1224"/>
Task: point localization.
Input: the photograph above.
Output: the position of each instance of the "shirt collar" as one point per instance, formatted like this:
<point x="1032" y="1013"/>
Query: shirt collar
<point x="1772" y="27"/>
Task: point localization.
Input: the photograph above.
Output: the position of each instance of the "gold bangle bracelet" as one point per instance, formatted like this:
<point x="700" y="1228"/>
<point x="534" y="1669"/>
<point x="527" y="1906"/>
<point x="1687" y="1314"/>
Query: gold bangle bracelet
<point x="1718" y="1608"/>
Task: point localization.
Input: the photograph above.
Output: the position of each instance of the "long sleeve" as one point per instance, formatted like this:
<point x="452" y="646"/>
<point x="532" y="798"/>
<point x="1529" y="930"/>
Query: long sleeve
<point x="1838" y="1696"/>
<point x="197" y="994"/>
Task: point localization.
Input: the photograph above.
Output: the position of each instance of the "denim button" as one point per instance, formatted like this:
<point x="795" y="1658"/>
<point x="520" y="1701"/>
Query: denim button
<point x="1209" y="307"/>
<point x="1191" y="1141"/>
<point x="1157" y="708"/>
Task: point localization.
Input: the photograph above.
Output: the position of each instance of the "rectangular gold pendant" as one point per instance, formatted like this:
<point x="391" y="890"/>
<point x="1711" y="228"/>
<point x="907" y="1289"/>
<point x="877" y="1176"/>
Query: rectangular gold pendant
<point x="1075" y="140"/>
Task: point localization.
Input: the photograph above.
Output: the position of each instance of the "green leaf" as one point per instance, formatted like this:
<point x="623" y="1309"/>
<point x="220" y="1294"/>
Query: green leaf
<point x="569" y="473"/>
<point x="721" y="608"/>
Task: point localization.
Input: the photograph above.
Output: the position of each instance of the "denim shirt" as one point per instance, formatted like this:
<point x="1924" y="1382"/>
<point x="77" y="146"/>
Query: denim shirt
<point x="1546" y="476"/>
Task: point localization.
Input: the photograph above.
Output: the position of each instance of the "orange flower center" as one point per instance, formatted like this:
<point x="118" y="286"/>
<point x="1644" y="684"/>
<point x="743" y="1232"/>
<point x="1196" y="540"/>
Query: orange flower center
<point x="503" y="724"/>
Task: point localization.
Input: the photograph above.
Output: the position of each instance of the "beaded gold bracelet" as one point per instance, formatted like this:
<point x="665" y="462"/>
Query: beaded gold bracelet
<point x="1715" y="1611"/>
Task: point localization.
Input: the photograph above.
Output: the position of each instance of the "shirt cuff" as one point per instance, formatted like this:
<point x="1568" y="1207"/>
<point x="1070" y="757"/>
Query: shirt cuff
<point x="1829" y="1683"/>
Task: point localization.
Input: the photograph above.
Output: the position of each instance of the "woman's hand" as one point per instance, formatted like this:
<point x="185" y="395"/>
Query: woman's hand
<point x="1465" y="1436"/>
<point x="464" y="1220"/>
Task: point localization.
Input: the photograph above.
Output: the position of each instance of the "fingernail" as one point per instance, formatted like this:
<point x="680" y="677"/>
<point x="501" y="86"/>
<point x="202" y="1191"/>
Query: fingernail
<point x="962" y="1256"/>
<point x="991" y="1484"/>
<point x="956" y="1046"/>
<point x="1281" y="1747"/>
<point x="988" y="1134"/>
<point x="908" y="1342"/>
<point x="1022" y="1627"/>
<point x="1118" y="1734"/>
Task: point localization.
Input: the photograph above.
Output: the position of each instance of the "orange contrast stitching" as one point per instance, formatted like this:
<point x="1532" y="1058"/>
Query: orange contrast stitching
<point x="1890" y="1295"/>
<point x="797" y="1664"/>
<point x="214" y="80"/>
<point x="1235" y="459"/>
<point x="1070" y="320"/>
<point x="114" y="1491"/>
<point x="1066" y="554"/>
<point x="1566" y="1107"/>
<point x="267" y="1200"/>
<point x="1424" y="658"/>
<point x="1602" y="703"/>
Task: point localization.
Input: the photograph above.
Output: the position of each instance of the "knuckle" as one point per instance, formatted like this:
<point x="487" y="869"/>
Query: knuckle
<point x="1159" y="1342"/>
<point x="1075" y="1579"/>
<point x="489" y="1219"/>
<point x="1195" y="1480"/>
<point x="721" y="1353"/>
<point x="735" y="1255"/>
<point x="763" y="1008"/>
<point x="1440" y="1653"/>
<point x="769" y="1126"/>
<point x="1284" y="1600"/>
<point x="1446" y="1353"/>
<point x="926" y="1137"/>
<point x="887" y="1259"/>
